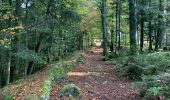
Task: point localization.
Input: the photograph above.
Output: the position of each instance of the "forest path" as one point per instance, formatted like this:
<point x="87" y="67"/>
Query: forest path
<point x="97" y="80"/>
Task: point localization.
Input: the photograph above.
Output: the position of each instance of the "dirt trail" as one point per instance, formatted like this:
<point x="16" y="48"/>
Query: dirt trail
<point x="97" y="80"/>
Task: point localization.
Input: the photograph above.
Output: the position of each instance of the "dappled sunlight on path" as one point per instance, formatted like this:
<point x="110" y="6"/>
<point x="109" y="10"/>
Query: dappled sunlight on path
<point x="78" y="74"/>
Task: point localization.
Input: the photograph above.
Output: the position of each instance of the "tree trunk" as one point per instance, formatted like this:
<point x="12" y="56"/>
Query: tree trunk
<point x="112" y="38"/>
<point x="142" y="31"/>
<point x="116" y="37"/>
<point x="150" y="29"/>
<point x="119" y="26"/>
<point x="8" y="68"/>
<point x="133" y="26"/>
<point x="161" y="22"/>
<point x="104" y="28"/>
<point x="159" y="35"/>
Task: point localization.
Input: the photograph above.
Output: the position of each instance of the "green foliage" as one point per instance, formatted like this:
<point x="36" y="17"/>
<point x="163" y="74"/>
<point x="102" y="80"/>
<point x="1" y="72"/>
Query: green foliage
<point x="157" y="85"/>
<point x="46" y="90"/>
<point x="43" y="32"/>
<point x="81" y="58"/>
<point x="30" y="55"/>
<point x="133" y="71"/>
<point x="8" y="96"/>
<point x="70" y="90"/>
<point x="151" y="71"/>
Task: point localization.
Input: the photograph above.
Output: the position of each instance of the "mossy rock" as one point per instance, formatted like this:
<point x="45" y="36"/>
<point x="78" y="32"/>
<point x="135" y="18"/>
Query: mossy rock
<point x="70" y="90"/>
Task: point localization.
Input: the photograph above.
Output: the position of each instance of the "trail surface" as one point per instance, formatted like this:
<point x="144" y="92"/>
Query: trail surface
<point x="97" y="80"/>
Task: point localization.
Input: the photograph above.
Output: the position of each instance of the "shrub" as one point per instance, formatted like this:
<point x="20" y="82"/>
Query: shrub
<point x="152" y="71"/>
<point x="133" y="71"/>
<point x="155" y="86"/>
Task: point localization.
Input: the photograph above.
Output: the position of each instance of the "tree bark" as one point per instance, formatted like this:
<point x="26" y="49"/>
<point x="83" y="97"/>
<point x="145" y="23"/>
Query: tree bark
<point x="116" y="37"/>
<point x="142" y="31"/>
<point x="104" y="27"/>
<point x="150" y="29"/>
<point x="119" y="25"/>
<point x="133" y="26"/>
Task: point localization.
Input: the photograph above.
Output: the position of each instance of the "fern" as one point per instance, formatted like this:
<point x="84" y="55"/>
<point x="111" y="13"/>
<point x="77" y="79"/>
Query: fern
<point x="29" y="55"/>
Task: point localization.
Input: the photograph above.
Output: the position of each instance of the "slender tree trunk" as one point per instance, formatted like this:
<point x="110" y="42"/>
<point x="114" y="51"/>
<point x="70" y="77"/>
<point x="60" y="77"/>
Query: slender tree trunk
<point x="150" y="29"/>
<point x="9" y="55"/>
<point x="104" y="28"/>
<point x="142" y="32"/>
<point x="119" y="25"/>
<point x="155" y="34"/>
<point x="116" y="37"/>
<point x="8" y="68"/>
<point x="112" y="40"/>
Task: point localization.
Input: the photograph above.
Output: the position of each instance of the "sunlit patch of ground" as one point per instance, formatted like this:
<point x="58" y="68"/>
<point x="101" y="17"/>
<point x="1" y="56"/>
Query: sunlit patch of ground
<point x="78" y="74"/>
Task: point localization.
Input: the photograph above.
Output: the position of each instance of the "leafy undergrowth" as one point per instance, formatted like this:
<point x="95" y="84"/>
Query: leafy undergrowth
<point x="37" y="86"/>
<point x="150" y="72"/>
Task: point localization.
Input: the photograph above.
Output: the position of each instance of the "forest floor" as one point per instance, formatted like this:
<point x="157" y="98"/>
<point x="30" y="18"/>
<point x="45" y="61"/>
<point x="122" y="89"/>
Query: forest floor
<point x="97" y="80"/>
<point x="29" y="87"/>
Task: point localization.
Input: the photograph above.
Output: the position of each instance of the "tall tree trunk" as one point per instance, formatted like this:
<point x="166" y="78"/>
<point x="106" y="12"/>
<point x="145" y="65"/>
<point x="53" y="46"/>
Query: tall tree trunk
<point x="8" y="68"/>
<point x="150" y="29"/>
<point x="133" y="26"/>
<point x="14" y="68"/>
<point x="161" y="21"/>
<point x="116" y="37"/>
<point x="160" y="26"/>
<point x="119" y="25"/>
<point x="155" y="34"/>
<point x="9" y="57"/>
<point x="104" y="28"/>
<point x="142" y="31"/>
<point x="112" y="40"/>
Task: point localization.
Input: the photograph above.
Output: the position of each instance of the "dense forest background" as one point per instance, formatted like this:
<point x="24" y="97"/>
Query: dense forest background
<point x="34" y="33"/>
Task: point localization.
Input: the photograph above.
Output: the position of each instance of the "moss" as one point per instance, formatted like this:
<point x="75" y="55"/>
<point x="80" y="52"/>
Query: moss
<point x="70" y="90"/>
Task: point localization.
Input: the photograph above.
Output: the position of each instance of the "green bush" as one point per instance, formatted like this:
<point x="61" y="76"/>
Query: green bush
<point x="150" y="70"/>
<point x="133" y="71"/>
<point x="145" y="64"/>
<point x="155" y="85"/>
